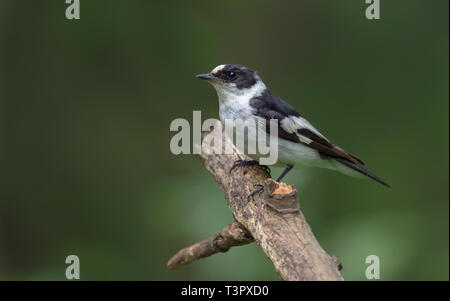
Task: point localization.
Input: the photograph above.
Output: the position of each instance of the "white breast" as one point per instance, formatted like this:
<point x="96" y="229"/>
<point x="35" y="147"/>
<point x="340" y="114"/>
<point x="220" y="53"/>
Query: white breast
<point x="235" y="103"/>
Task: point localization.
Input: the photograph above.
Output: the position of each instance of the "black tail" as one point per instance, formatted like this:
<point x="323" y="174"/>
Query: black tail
<point x="362" y="170"/>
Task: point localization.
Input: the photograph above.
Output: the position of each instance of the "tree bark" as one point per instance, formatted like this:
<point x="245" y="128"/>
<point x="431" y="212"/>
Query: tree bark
<point x="273" y="219"/>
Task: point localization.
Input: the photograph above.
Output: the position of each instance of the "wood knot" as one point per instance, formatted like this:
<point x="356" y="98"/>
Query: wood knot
<point x="283" y="188"/>
<point x="280" y="196"/>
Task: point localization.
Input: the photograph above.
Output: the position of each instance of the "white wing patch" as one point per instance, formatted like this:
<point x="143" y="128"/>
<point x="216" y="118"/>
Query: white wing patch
<point x="292" y="124"/>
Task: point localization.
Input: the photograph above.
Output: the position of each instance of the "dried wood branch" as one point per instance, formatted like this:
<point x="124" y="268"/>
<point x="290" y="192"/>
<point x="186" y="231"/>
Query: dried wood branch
<point x="273" y="219"/>
<point x="230" y="236"/>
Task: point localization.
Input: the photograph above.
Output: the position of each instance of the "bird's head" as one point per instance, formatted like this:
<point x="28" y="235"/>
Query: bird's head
<point x="232" y="79"/>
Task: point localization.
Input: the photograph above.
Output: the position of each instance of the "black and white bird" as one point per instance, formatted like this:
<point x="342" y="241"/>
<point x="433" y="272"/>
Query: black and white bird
<point x="242" y="94"/>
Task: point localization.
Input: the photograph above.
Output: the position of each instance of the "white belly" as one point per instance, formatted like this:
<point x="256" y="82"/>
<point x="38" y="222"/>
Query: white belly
<point x="288" y="152"/>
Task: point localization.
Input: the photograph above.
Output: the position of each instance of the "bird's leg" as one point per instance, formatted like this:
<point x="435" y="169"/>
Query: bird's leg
<point x="261" y="187"/>
<point x="285" y="171"/>
<point x="256" y="191"/>
<point x="245" y="163"/>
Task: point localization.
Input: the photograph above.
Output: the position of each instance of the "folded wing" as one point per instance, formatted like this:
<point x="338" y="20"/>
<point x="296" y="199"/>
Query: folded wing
<point x="292" y="126"/>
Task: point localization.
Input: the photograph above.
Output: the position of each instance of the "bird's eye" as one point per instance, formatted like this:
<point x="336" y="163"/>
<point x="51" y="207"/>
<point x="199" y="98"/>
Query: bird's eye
<point x="231" y="74"/>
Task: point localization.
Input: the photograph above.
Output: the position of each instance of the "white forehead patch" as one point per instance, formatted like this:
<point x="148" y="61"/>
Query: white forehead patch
<point x="218" y="68"/>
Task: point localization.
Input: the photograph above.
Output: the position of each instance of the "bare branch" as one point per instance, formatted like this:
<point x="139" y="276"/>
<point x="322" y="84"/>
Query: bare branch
<point x="230" y="236"/>
<point x="273" y="219"/>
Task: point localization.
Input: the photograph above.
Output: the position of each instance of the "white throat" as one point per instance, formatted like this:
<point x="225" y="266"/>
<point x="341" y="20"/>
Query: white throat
<point x="234" y="102"/>
<point x="230" y="93"/>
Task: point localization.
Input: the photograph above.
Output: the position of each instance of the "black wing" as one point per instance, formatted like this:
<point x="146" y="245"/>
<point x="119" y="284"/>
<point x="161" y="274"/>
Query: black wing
<point x="292" y="126"/>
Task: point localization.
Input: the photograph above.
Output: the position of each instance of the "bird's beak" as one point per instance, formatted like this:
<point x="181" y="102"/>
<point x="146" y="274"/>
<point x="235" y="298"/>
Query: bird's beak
<point x="207" y="76"/>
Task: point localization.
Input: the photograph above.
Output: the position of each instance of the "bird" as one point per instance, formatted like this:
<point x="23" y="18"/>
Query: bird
<point x="243" y="95"/>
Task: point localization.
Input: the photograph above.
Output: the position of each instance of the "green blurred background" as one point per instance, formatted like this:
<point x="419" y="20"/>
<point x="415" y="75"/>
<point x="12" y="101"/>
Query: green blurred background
<point x="86" y="107"/>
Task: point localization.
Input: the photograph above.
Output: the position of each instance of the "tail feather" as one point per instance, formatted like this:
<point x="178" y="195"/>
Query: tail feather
<point x="362" y="171"/>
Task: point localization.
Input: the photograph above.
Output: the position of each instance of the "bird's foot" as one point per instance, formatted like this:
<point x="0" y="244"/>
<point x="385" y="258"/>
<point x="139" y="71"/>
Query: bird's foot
<point x="256" y="191"/>
<point x="246" y="163"/>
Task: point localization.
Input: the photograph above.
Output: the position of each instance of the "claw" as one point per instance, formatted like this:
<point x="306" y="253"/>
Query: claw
<point x="266" y="169"/>
<point x="244" y="163"/>
<point x="236" y="164"/>
<point x="256" y="191"/>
